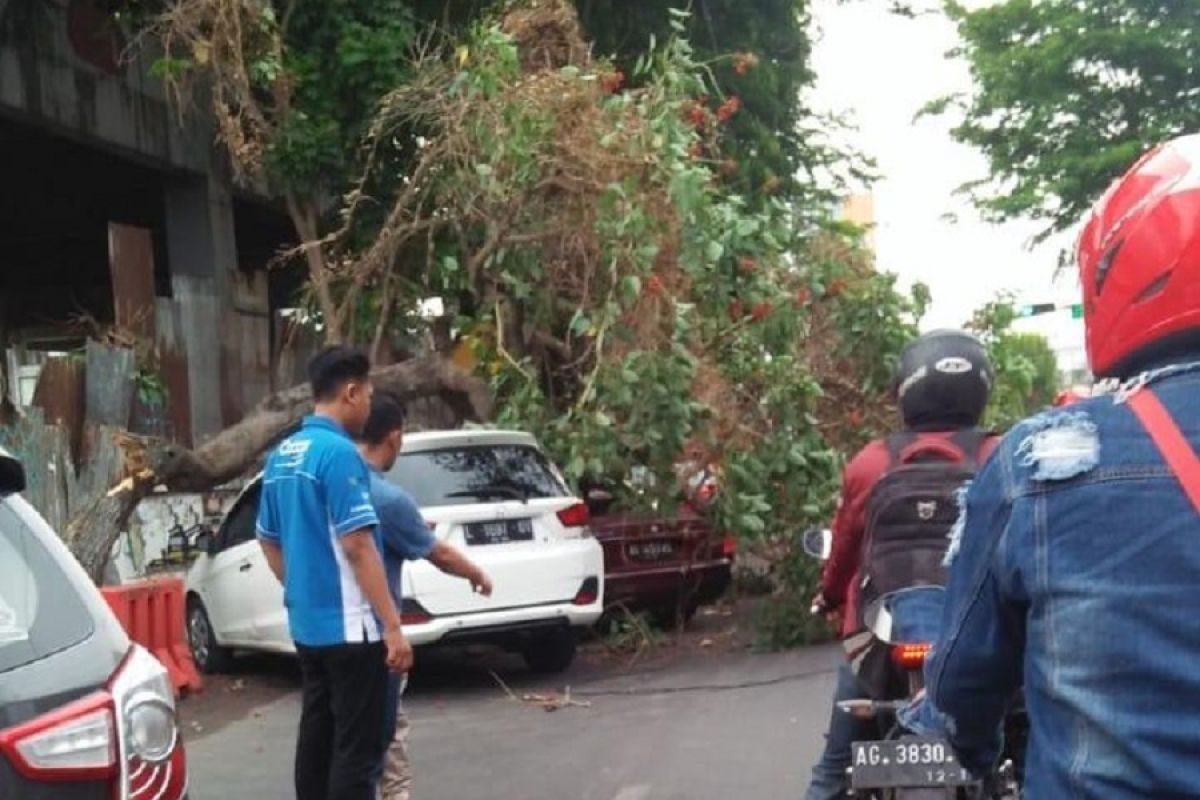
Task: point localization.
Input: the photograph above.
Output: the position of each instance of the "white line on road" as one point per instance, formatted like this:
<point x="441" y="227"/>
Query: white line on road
<point x="639" y="792"/>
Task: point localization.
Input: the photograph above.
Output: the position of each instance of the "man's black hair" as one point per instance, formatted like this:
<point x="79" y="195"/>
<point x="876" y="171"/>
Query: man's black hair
<point x="387" y="415"/>
<point x="334" y="367"/>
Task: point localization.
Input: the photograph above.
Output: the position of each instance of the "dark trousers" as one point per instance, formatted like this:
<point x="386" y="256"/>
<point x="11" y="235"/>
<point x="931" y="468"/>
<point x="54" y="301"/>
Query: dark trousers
<point x="345" y="702"/>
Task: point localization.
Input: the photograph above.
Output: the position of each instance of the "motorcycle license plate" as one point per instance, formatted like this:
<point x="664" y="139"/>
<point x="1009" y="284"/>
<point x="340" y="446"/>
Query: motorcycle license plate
<point x="909" y="762"/>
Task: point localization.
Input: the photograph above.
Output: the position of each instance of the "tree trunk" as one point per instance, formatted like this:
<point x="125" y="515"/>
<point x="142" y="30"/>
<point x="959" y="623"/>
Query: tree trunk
<point x="149" y="463"/>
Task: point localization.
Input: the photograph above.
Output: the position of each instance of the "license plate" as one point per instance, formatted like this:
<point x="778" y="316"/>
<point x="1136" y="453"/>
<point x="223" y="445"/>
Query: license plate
<point x="499" y="531"/>
<point x="652" y="551"/>
<point x="909" y="762"/>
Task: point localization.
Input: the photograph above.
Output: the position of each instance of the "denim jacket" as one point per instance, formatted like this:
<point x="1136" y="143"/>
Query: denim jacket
<point x="1075" y="573"/>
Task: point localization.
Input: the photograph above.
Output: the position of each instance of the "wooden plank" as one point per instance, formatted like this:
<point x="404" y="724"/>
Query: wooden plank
<point x="131" y="262"/>
<point x="110" y="384"/>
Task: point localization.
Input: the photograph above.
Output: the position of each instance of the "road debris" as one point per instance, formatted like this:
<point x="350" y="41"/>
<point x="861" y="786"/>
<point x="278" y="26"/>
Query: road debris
<point x="549" y="701"/>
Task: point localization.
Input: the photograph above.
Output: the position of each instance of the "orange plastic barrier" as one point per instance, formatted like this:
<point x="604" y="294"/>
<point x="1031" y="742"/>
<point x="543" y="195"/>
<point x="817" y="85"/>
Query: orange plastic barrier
<point x="153" y="614"/>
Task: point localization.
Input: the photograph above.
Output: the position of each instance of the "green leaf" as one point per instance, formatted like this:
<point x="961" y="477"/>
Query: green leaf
<point x="631" y="287"/>
<point x="580" y="324"/>
<point x="714" y="250"/>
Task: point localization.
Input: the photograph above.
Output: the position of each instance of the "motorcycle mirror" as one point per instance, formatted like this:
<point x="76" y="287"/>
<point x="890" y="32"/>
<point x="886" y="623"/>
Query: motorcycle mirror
<point x="818" y="543"/>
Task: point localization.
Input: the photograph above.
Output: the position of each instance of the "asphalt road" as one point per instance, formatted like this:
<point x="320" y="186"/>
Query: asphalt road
<point x="707" y="726"/>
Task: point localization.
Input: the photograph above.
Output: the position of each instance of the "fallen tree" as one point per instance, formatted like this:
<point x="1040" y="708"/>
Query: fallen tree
<point x="152" y="463"/>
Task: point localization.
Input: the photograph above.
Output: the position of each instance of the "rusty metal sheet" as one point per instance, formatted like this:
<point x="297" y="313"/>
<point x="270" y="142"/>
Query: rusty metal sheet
<point x="173" y="368"/>
<point x="251" y="293"/>
<point x="231" y="375"/>
<point x="45" y="453"/>
<point x="110" y="384"/>
<point x="60" y="396"/>
<point x="131" y="261"/>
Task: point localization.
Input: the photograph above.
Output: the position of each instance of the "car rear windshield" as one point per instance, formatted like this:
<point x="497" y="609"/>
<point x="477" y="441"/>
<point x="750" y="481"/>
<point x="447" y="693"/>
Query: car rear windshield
<point x="482" y="474"/>
<point x="40" y="611"/>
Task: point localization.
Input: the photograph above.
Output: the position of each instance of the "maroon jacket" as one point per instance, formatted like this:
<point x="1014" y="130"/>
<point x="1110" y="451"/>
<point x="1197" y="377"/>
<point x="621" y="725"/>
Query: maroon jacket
<point x="840" y="583"/>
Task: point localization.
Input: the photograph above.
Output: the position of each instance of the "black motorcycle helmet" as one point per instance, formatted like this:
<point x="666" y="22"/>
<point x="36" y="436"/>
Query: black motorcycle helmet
<point x="943" y="380"/>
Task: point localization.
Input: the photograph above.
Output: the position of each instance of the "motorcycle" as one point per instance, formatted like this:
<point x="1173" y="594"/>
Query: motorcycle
<point x="888" y="658"/>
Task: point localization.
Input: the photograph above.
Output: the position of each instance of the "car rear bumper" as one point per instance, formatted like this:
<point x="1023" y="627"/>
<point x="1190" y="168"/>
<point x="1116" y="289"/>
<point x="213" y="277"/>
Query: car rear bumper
<point x="503" y="624"/>
<point x="639" y="588"/>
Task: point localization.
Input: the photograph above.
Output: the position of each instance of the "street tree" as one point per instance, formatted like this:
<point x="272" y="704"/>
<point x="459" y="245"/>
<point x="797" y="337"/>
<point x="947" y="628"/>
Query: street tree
<point x="620" y="298"/>
<point x="1067" y="93"/>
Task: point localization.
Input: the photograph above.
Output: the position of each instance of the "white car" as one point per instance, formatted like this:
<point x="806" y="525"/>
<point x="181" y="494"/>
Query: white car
<point x="495" y="495"/>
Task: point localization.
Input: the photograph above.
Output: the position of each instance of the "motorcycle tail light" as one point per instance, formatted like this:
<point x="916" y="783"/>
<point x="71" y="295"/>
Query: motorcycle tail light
<point x="910" y="656"/>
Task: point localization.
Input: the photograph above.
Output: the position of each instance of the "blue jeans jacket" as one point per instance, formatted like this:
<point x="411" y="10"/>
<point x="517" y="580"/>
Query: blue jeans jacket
<point x="1075" y="572"/>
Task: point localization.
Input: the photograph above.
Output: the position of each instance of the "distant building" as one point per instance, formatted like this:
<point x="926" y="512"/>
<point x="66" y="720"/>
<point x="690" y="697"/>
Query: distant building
<point x="859" y="208"/>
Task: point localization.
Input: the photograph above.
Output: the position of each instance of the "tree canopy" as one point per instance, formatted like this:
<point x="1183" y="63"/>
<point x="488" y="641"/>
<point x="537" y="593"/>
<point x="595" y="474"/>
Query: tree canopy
<point x="625" y="249"/>
<point x="1068" y="93"/>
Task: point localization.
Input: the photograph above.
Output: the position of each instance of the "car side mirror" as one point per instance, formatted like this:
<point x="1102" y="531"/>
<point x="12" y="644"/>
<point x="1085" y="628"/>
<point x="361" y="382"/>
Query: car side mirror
<point x="206" y="542"/>
<point x="598" y="501"/>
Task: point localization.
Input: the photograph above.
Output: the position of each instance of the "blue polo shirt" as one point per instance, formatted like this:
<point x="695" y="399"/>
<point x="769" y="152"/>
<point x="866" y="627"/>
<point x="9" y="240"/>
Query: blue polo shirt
<point x="406" y="537"/>
<point x="316" y="489"/>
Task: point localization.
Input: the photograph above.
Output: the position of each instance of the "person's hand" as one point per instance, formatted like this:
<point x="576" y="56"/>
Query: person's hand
<point x="833" y="616"/>
<point x="399" y="651"/>
<point x="482" y="584"/>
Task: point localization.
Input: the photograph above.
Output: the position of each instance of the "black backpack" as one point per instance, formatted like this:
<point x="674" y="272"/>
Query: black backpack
<point x="911" y="511"/>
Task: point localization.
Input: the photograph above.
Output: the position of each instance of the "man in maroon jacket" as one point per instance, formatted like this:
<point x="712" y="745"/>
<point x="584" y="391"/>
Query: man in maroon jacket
<point x="942" y="384"/>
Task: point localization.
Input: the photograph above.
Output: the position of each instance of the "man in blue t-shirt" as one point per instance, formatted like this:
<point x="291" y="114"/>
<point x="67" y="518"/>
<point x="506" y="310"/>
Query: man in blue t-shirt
<point x="319" y="531"/>
<point x="406" y="537"/>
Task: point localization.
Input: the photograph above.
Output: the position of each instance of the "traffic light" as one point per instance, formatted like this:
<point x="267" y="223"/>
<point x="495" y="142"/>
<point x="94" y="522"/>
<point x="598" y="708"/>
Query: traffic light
<point x="1035" y="309"/>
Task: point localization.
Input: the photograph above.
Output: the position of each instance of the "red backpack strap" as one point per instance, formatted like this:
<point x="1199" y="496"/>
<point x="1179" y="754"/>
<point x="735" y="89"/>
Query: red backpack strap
<point x="1170" y="441"/>
<point x="940" y="449"/>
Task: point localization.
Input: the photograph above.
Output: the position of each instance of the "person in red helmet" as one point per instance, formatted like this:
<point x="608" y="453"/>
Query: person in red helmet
<point x="1077" y="557"/>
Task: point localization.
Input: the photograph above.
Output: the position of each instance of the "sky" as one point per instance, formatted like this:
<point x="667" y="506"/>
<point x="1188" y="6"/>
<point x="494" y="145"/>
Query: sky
<point x="880" y="69"/>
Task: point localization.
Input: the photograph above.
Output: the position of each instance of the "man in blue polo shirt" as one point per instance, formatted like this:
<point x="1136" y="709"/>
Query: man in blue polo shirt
<point x="319" y="531"/>
<point x="406" y="537"/>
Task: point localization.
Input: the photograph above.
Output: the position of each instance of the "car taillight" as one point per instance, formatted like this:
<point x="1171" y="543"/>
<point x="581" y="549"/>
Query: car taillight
<point x="77" y="742"/>
<point x="576" y="516"/>
<point x="413" y="613"/>
<point x="154" y="765"/>
<point x="910" y="656"/>
<point x="126" y="734"/>
<point x="588" y="593"/>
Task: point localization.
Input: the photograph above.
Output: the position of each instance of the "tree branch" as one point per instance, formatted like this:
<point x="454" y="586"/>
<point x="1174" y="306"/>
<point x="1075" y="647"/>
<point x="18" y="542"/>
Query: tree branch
<point x="234" y="450"/>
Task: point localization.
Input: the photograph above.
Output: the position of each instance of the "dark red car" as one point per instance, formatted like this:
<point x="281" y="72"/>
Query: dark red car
<point x="668" y="567"/>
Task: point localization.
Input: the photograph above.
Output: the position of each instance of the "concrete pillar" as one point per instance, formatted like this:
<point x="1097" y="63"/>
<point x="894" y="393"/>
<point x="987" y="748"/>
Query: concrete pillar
<point x="202" y="251"/>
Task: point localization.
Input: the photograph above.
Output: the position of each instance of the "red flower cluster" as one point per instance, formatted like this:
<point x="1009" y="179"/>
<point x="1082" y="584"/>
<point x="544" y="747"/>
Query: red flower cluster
<point x="612" y="82"/>
<point x="730" y="107"/>
<point x="744" y="62"/>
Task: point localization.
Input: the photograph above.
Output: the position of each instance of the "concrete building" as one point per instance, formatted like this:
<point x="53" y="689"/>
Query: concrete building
<point x="859" y="208"/>
<point x="114" y="213"/>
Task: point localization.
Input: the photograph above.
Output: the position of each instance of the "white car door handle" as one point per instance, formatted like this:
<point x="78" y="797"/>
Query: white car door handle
<point x="245" y="567"/>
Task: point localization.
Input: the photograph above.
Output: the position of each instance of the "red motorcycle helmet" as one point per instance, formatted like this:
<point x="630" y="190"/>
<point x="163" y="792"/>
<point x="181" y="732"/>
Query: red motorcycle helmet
<point x="1139" y="262"/>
